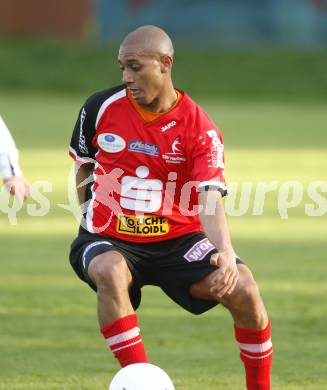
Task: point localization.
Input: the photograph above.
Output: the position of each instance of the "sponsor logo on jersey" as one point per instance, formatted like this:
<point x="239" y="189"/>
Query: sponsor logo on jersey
<point x="143" y="147"/>
<point x="142" y="225"/>
<point x="175" y="156"/>
<point x="216" y="156"/>
<point x="111" y="143"/>
<point x="199" y="251"/>
<point x="139" y="193"/>
<point x="168" y="126"/>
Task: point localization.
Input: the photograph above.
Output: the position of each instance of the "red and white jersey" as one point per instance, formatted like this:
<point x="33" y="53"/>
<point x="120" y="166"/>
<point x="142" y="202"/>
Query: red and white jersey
<point x="146" y="174"/>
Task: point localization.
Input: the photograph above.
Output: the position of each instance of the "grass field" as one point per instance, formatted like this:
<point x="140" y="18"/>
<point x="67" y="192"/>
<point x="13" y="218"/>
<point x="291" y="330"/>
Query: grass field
<point x="49" y="337"/>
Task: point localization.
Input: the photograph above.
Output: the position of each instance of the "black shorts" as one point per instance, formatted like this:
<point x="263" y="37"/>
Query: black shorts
<point x="173" y="265"/>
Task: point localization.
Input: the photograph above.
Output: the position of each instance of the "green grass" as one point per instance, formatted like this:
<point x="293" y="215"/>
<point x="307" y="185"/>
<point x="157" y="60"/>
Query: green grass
<point x="49" y="336"/>
<point x="271" y="74"/>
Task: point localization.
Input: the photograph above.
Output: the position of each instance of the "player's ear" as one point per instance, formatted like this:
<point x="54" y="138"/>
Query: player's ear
<point x="166" y="63"/>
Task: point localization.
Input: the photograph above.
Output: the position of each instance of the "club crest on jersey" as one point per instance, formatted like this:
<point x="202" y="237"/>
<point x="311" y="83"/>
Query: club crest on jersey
<point x="199" y="251"/>
<point x="175" y="156"/>
<point x="143" y="147"/>
<point x="111" y="143"/>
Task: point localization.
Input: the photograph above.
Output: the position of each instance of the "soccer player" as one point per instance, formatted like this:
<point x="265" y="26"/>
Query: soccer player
<point x="150" y="178"/>
<point x="10" y="171"/>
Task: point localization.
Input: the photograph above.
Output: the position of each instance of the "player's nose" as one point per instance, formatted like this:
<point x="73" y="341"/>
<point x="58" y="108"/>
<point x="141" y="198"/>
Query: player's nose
<point x="127" y="77"/>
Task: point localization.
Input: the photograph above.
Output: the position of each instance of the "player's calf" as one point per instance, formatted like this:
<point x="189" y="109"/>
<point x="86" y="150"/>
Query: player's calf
<point x="252" y="330"/>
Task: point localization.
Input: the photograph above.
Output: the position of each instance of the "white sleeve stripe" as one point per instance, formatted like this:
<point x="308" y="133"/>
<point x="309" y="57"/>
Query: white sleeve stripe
<point x="77" y="157"/>
<point x="107" y="103"/>
<point x="212" y="183"/>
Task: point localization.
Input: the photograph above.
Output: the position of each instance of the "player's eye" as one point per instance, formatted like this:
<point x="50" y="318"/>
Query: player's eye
<point x="135" y="67"/>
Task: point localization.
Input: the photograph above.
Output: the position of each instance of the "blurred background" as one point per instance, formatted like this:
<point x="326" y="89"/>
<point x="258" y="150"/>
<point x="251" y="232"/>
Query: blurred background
<point x="259" y="69"/>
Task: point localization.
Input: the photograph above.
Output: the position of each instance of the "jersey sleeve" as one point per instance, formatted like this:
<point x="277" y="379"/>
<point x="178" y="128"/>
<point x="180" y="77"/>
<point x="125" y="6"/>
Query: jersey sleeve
<point x="81" y="148"/>
<point x="208" y="162"/>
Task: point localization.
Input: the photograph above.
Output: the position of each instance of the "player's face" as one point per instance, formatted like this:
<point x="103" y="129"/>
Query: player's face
<point x="143" y="75"/>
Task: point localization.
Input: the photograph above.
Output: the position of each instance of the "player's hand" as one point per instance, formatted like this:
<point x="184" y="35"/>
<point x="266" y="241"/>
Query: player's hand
<point x="19" y="187"/>
<point x="226" y="277"/>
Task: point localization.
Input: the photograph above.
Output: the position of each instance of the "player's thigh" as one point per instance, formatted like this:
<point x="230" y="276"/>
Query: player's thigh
<point x="110" y="269"/>
<point x="246" y="282"/>
<point x="88" y="247"/>
<point x="187" y="261"/>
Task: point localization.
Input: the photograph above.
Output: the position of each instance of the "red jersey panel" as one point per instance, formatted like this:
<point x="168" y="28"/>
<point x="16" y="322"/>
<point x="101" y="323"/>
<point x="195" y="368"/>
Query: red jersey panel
<point x="146" y="174"/>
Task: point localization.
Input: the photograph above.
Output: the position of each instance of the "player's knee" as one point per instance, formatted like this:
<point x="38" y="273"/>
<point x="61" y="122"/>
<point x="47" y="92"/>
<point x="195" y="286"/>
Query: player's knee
<point x="109" y="272"/>
<point x="246" y="292"/>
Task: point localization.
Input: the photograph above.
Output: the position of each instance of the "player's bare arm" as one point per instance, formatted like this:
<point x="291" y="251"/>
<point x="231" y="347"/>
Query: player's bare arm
<point x="83" y="172"/>
<point x="214" y="222"/>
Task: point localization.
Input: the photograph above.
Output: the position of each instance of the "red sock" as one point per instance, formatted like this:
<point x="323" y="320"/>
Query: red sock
<point x="123" y="338"/>
<point x="256" y="354"/>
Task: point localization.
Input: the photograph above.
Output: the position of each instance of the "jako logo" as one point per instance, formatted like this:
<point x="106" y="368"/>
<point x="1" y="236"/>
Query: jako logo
<point x="168" y="126"/>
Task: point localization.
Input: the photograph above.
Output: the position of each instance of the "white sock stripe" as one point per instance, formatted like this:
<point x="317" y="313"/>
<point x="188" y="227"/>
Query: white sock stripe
<point x="256" y="357"/>
<point x="126" y="346"/>
<point x="125" y="336"/>
<point x="256" y="348"/>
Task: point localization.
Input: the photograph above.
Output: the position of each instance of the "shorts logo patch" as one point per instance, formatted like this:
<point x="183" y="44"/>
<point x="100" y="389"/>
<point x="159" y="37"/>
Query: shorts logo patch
<point x="142" y="225"/>
<point x="199" y="251"/>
